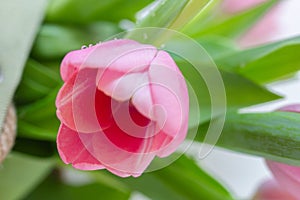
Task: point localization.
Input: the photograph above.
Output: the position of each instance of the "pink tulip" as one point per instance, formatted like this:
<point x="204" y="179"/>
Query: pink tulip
<point x="122" y="104"/>
<point x="271" y="190"/>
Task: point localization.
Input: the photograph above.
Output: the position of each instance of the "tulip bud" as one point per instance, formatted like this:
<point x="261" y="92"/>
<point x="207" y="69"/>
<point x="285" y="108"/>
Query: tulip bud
<point x="122" y="104"/>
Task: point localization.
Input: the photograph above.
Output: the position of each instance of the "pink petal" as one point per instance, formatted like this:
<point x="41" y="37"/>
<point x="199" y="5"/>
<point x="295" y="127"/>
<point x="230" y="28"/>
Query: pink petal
<point x="129" y="130"/>
<point x="287" y="176"/>
<point x="71" y="150"/>
<point x="233" y="6"/>
<point x="107" y="54"/>
<point x="271" y="190"/>
<point x="291" y="108"/>
<point x="76" y="102"/>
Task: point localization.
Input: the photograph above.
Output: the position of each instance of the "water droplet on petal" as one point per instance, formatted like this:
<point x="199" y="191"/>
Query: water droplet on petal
<point x="84" y="47"/>
<point x="90" y="45"/>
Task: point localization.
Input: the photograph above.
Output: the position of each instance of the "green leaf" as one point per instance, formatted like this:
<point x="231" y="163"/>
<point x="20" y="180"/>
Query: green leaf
<point x="278" y="64"/>
<point x="217" y="46"/>
<point x="237" y="24"/>
<point x="183" y="179"/>
<point x="39" y="110"/>
<point x="38" y="120"/>
<point x="161" y="13"/>
<point x="54" y="41"/>
<point x="37" y="81"/>
<point x="16" y="38"/>
<point x="53" y="188"/>
<point x="41" y="130"/>
<point x="166" y="14"/>
<point x="21" y="173"/>
<point x="266" y="63"/>
<point x="240" y="92"/>
<point x="38" y="148"/>
<point x="274" y="135"/>
<point x="203" y="16"/>
<point x="86" y="11"/>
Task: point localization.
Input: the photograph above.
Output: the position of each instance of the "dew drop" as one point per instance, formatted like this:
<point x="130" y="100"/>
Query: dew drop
<point x="145" y="36"/>
<point x="90" y="45"/>
<point x="1" y="76"/>
<point x="84" y="47"/>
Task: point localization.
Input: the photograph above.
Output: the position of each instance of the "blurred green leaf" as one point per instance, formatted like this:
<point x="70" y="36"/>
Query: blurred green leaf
<point x="37" y="81"/>
<point x="41" y="130"/>
<point x="166" y="14"/>
<point x="39" y="110"/>
<point x="54" y="41"/>
<point x="265" y="63"/>
<point x="217" y="46"/>
<point x="35" y="147"/>
<point x="240" y="92"/>
<point x="203" y="17"/>
<point x="274" y="135"/>
<point x="161" y="13"/>
<point x="237" y="24"/>
<point x="183" y="179"/>
<point x="273" y="65"/>
<point x="86" y="11"/>
<point x="53" y="188"/>
<point x="38" y="120"/>
<point x="21" y="173"/>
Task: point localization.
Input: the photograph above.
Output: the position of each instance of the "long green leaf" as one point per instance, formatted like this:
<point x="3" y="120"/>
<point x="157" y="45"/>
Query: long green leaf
<point x="20" y="173"/>
<point x="240" y="92"/>
<point x="265" y="63"/>
<point x="274" y="135"/>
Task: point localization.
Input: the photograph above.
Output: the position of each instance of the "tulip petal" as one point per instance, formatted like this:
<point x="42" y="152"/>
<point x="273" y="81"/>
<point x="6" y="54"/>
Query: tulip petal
<point x="291" y="108"/>
<point x="271" y="190"/>
<point x="115" y="54"/>
<point x="129" y="129"/>
<point x="76" y="102"/>
<point x="288" y="176"/>
<point x="71" y="150"/>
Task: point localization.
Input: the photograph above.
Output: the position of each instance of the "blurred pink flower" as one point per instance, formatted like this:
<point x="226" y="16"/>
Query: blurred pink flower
<point x="233" y="6"/>
<point x="263" y="30"/>
<point x="271" y="190"/>
<point x="122" y="104"/>
<point x="288" y="177"/>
